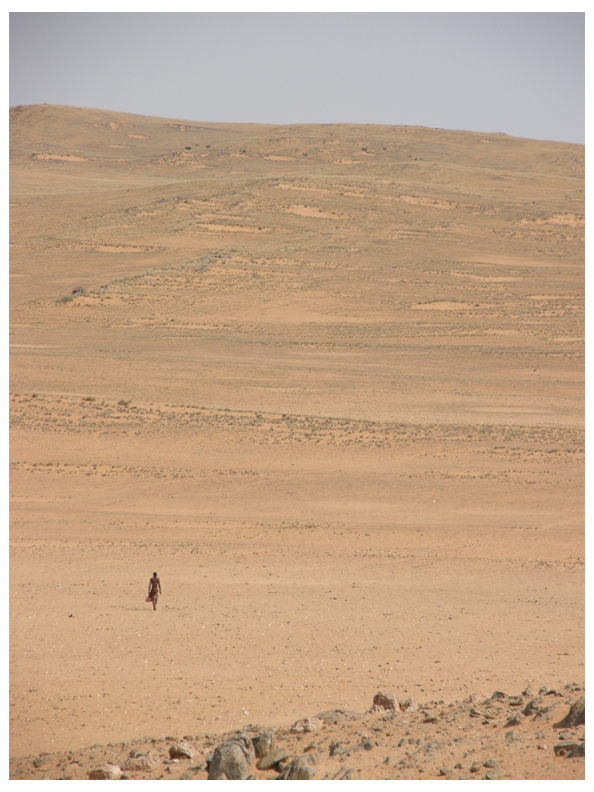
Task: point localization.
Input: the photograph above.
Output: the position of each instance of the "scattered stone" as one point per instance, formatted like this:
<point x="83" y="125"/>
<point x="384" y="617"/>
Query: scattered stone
<point x="475" y="698"/>
<point x="181" y="750"/>
<point x="545" y="713"/>
<point x="529" y="692"/>
<point x="534" y="706"/>
<point x="344" y="774"/>
<point x="331" y="717"/>
<point x="475" y="767"/>
<point x="141" y="763"/>
<point x="303" y="768"/>
<point x="498" y="696"/>
<point x="408" y="705"/>
<point x="273" y="759"/>
<point x="41" y="761"/>
<point x="575" y="717"/>
<point x="107" y="772"/>
<point x="515" y="720"/>
<point x="336" y="749"/>
<point x="306" y="725"/>
<point x="570" y="748"/>
<point x="233" y="759"/>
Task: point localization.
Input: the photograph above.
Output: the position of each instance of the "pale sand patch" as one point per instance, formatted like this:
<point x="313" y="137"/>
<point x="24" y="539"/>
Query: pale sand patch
<point x="441" y="306"/>
<point x="428" y="202"/>
<point x="232" y="229"/>
<point x="309" y="211"/>
<point x="59" y="157"/>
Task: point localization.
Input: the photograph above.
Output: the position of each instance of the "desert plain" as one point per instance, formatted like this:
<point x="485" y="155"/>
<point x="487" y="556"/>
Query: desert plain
<point x="327" y="381"/>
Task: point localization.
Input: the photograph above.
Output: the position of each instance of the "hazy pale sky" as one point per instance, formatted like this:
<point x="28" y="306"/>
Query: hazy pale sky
<point x="518" y="73"/>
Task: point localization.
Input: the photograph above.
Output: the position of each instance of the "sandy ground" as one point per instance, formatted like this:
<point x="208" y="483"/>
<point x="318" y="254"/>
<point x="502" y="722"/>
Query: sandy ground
<point x="328" y="382"/>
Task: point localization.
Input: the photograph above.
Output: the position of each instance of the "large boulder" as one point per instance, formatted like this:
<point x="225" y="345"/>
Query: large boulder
<point x="575" y="717"/>
<point x="264" y="744"/>
<point x="232" y="760"/>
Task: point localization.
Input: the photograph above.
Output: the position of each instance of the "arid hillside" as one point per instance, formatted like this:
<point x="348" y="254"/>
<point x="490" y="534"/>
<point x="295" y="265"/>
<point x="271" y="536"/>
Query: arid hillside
<point x="328" y="381"/>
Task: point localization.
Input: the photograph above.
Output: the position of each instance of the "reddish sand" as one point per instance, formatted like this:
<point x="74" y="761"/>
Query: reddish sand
<point x="328" y="381"/>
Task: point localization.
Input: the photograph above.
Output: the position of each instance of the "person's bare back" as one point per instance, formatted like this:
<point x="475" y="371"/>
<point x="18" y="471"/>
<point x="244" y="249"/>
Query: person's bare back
<point x="154" y="590"/>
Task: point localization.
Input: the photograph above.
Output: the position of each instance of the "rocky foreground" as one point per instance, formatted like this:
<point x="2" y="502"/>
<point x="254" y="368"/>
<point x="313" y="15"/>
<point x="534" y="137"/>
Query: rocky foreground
<point x="534" y="735"/>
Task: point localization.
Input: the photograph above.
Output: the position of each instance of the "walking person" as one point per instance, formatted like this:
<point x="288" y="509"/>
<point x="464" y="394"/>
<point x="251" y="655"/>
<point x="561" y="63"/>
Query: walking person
<point x="154" y="590"/>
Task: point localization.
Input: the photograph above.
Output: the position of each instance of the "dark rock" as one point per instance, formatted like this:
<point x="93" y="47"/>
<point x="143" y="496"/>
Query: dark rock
<point x="384" y="701"/>
<point x="575" y="717"/>
<point x="570" y="748"/>
<point x="515" y="701"/>
<point x="536" y="705"/>
<point x="498" y="696"/>
<point x="233" y="759"/>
